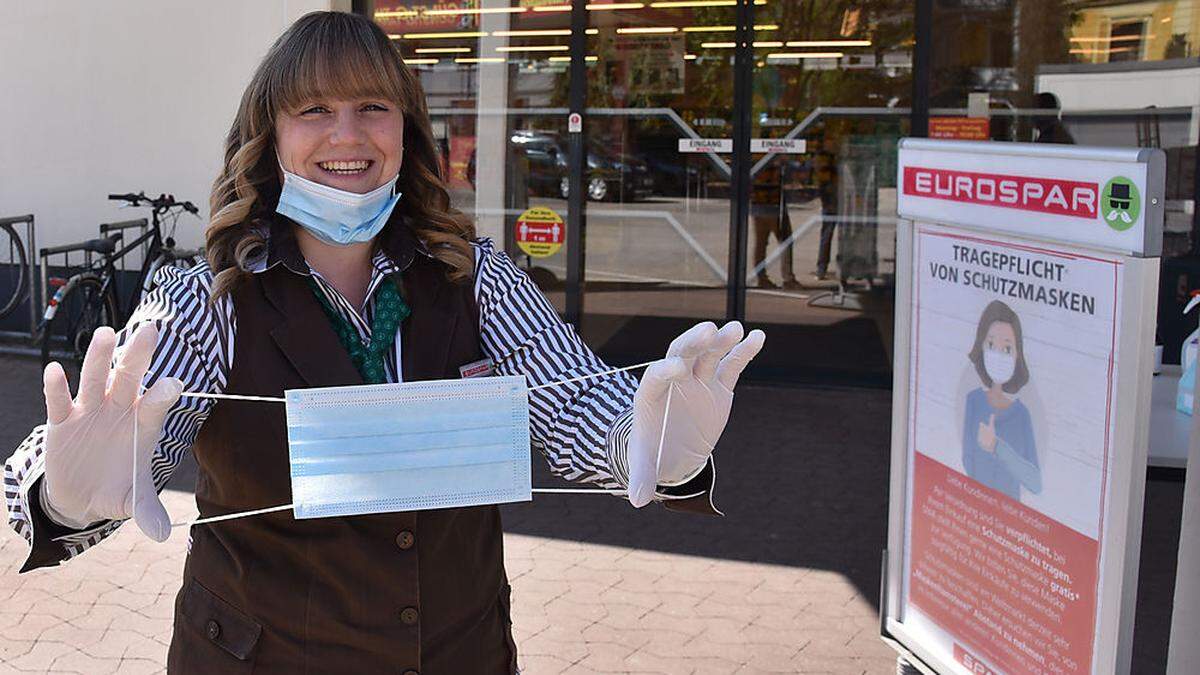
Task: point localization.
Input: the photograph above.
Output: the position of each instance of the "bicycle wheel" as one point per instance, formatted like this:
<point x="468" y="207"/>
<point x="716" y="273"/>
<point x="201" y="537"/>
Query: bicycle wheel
<point x="14" y="270"/>
<point x="84" y="307"/>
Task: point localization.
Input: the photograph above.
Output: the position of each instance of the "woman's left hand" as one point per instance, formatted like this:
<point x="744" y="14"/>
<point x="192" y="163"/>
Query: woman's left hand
<point x="697" y="376"/>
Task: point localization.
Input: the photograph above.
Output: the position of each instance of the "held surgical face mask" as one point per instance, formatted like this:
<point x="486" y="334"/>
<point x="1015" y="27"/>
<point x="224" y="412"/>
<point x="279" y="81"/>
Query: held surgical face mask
<point x="336" y="216"/>
<point x="401" y="447"/>
<point x="382" y="448"/>
<point x="999" y="365"/>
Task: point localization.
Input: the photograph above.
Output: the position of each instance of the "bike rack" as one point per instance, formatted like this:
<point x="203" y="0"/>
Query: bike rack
<point x="140" y="223"/>
<point x="31" y="240"/>
<point x="65" y="251"/>
<point x="124" y="225"/>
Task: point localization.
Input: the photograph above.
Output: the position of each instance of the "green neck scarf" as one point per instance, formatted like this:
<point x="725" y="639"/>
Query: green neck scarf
<point x="390" y="310"/>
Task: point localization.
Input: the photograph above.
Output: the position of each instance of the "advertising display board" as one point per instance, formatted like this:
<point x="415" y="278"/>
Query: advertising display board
<point x="1024" y="347"/>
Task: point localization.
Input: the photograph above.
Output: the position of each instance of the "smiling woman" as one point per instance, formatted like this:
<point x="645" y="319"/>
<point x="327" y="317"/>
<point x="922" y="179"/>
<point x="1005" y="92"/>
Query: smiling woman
<point x="335" y="260"/>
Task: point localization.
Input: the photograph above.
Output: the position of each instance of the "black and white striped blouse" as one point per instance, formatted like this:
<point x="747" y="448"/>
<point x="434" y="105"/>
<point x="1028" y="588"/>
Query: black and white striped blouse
<point x="581" y="427"/>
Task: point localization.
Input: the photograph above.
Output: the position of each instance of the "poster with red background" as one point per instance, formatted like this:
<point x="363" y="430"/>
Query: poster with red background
<point x="1010" y="420"/>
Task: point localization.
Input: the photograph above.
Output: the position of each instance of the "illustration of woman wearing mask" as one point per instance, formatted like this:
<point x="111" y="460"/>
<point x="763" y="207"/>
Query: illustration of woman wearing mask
<point x="998" y="444"/>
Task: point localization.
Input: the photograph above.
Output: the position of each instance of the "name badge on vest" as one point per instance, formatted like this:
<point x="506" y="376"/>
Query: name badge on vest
<point x="480" y="368"/>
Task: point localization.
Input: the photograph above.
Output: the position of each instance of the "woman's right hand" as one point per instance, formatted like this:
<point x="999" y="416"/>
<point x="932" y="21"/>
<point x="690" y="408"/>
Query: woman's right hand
<point x="90" y="451"/>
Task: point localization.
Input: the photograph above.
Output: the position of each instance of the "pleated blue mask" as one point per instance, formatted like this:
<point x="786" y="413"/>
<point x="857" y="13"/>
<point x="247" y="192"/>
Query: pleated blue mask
<point x="409" y="446"/>
<point x="336" y="216"/>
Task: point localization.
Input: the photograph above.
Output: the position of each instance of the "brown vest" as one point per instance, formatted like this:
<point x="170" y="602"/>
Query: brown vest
<point x="422" y="591"/>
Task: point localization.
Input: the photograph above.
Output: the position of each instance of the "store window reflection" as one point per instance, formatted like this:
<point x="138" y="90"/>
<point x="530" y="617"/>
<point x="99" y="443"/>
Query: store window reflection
<point x="835" y="79"/>
<point x="1108" y="32"/>
<point x="495" y="78"/>
<point x="658" y="215"/>
<point x="1106" y="73"/>
<point x="831" y="94"/>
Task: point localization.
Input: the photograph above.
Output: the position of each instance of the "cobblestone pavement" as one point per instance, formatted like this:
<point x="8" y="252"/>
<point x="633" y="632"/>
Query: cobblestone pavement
<point x="577" y="608"/>
<point x="785" y="582"/>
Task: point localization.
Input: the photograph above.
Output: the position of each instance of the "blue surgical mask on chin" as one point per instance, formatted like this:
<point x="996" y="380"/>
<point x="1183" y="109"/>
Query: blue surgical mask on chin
<point x="336" y="216"/>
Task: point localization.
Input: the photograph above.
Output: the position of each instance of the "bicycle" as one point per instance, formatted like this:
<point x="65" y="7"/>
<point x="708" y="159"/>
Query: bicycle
<point x="91" y="298"/>
<point x="14" y="269"/>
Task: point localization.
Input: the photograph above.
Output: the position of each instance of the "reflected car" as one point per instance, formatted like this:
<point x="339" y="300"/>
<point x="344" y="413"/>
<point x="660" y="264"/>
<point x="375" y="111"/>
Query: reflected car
<point x="610" y="175"/>
<point x="670" y="171"/>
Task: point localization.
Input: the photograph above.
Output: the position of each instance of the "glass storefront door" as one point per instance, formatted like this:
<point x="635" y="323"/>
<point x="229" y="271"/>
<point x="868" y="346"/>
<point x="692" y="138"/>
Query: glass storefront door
<point x="658" y="175"/>
<point x="661" y="228"/>
<point x="495" y="76"/>
<point x="834" y="80"/>
<point x="829" y="96"/>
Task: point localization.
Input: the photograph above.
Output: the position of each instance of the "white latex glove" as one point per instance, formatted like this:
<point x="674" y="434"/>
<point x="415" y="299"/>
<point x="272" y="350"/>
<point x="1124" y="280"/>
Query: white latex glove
<point x="89" y="441"/>
<point x="700" y="370"/>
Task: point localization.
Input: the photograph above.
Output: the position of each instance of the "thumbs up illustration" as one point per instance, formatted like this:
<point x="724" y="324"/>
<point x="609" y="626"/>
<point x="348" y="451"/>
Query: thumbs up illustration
<point x="987" y="434"/>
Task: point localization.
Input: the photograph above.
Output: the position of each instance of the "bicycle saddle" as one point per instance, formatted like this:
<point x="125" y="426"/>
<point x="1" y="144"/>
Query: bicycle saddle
<point x="101" y="246"/>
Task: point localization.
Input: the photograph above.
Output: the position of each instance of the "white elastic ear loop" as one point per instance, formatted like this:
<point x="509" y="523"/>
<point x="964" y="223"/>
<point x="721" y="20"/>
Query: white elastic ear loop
<point x="136" y="410"/>
<point x="198" y="521"/>
<point x="277" y="399"/>
<point x="662" y="437"/>
<point x="590" y="375"/>
<point x="231" y="516"/>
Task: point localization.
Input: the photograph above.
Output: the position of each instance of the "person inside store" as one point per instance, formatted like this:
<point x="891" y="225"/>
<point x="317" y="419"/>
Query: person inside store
<point x="1049" y="126"/>
<point x="769" y="215"/>
<point x="825" y="175"/>
<point x="334" y="258"/>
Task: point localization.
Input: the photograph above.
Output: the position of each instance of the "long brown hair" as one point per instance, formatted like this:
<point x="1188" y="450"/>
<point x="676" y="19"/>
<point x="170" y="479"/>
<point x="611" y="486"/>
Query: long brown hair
<point x="342" y="56"/>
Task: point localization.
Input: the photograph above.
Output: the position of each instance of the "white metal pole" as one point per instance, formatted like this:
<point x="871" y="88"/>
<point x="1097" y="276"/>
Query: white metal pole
<point x="1183" y="654"/>
<point x="491" y="137"/>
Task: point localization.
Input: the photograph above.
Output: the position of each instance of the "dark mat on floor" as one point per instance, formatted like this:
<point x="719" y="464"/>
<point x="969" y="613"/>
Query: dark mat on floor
<point x="849" y="351"/>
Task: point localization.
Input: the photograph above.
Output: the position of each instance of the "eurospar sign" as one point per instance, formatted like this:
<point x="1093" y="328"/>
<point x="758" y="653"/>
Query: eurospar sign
<point x="1078" y="199"/>
<point x="1081" y="200"/>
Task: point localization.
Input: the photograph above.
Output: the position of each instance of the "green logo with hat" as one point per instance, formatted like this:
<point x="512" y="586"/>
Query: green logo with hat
<point x="1120" y="203"/>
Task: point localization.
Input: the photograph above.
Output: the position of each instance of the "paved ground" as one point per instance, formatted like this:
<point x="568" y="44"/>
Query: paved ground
<point x="785" y="582"/>
<point x="578" y="608"/>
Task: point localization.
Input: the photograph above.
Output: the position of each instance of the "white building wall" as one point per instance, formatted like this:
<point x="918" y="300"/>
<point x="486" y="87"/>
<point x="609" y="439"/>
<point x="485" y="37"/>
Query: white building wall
<point x="1118" y="90"/>
<point x="123" y="96"/>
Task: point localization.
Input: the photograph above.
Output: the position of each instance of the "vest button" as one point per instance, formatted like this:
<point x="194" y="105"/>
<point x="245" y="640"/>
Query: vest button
<point x="214" y="630"/>
<point x="409" y="616"/>
<point x="405" y="540"/>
